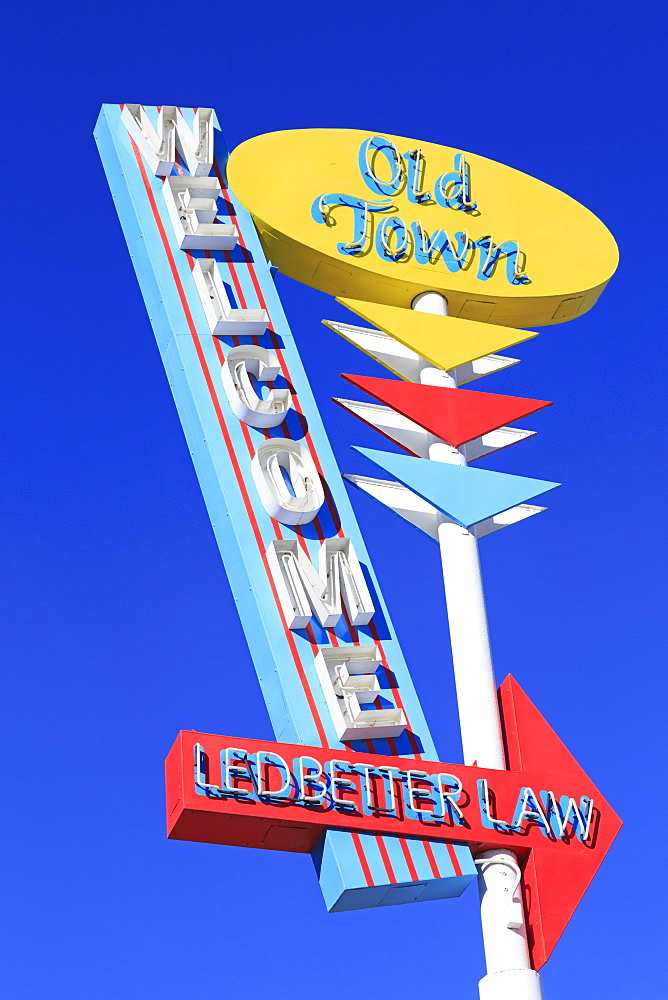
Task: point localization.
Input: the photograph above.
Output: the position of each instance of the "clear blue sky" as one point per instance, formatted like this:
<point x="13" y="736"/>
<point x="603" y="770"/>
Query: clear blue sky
<point x="119" y="629"/>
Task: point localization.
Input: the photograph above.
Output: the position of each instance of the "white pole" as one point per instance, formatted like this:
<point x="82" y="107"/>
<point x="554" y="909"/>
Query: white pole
<point x="509" y="973"/>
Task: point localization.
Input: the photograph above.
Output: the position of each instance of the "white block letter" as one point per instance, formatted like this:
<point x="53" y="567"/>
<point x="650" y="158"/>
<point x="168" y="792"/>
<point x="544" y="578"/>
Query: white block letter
<point x="306" y="779"/>
<point x="277" y="463"/>
<point x="222" y="319"/>
<point x="348" y="678"/>
<point x="240" y="364"/>
<point x="191" y="204"/>
<point x="159" y="147"/>
<point x="303" y="592"/>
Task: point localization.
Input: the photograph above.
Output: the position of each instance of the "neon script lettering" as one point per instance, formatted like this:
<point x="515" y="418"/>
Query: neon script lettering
<point x="365" y="789"/>
<point x="395" y="240"/>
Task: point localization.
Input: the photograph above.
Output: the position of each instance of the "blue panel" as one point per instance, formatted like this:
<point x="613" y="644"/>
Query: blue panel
<point x="345" y="886"/>
<point x="222" y="447"/>
<point x="466" y="495"/>
<point x="342" y="879"/>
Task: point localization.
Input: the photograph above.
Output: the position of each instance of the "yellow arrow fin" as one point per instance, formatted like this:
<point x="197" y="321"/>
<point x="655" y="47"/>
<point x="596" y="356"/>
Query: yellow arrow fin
<point x="444" y="341"/>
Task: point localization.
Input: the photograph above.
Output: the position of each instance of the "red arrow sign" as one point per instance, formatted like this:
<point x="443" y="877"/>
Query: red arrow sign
<point x="278" y="796"/>
<point x="553" y="886"/>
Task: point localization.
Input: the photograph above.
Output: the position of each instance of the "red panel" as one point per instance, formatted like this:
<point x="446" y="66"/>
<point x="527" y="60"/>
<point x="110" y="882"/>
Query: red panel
<point x="245" y="821"/>
<point x="454" y="415"/>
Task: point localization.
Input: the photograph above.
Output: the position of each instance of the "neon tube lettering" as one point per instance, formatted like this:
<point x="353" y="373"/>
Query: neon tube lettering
<point x="240" y="364"/>
<point x="362" y="219"/>
<point x="368" y="155"/>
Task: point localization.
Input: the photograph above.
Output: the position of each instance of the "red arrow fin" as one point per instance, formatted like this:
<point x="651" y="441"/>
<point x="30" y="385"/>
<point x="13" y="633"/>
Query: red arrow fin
<point x="454" y="415"/>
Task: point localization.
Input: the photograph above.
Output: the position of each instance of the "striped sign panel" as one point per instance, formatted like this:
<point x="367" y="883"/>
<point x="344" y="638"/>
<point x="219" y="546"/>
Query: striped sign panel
<point x="355" y="870"/>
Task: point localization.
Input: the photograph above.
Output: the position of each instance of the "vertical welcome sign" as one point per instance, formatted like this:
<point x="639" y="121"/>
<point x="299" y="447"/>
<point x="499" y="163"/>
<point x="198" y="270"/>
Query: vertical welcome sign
<point x="449" y="256"/>
<point x="301" y="577"/>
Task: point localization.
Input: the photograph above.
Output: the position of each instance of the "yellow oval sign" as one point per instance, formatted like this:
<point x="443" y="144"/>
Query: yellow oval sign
<point x="382" y="217"/>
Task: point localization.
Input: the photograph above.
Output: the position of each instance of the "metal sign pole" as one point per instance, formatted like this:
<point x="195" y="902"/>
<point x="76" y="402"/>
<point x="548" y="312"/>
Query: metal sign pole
<point x="509" y="973"/>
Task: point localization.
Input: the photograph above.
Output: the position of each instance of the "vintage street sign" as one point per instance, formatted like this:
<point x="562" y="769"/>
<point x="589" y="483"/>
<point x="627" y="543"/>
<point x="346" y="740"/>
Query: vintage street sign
<point x="444" y="252"/>
<point x="382" y="218"/>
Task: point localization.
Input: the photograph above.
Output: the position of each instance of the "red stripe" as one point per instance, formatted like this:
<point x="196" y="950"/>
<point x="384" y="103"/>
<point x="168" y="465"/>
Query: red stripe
<point x="244" y="430"/>
<point x="392" y="878"/>
<point x="362" y="857"/>
<point x="397" y="697"/>
<point x="409" y="860"/>
<point x="311" y="638"/>
<point x="354" y="635"/>
<point x="432" y="860"/>
<point x="235" y="277"/>
<point x="453" y="857"/>
<point x="433" y="864"/>
<point x="411" y="735"/>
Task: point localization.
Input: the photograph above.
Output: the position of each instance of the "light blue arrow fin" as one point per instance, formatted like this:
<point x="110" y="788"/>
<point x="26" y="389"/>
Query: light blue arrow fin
<point x="425" y="516"/>
<point x="466" y="495"/>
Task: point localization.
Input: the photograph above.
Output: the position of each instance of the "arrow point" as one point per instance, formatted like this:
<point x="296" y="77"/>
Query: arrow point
<point x="445" y="341"/>
<point x="553" y="887"/>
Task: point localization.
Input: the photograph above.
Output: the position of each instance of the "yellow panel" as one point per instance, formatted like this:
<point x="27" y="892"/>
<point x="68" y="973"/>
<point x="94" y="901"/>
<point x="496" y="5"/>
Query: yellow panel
<point x="445" y="341"/>
<point x="566" y="254"/>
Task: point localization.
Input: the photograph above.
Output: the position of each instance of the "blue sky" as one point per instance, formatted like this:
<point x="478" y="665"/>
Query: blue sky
<point x="117" y="614"/>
